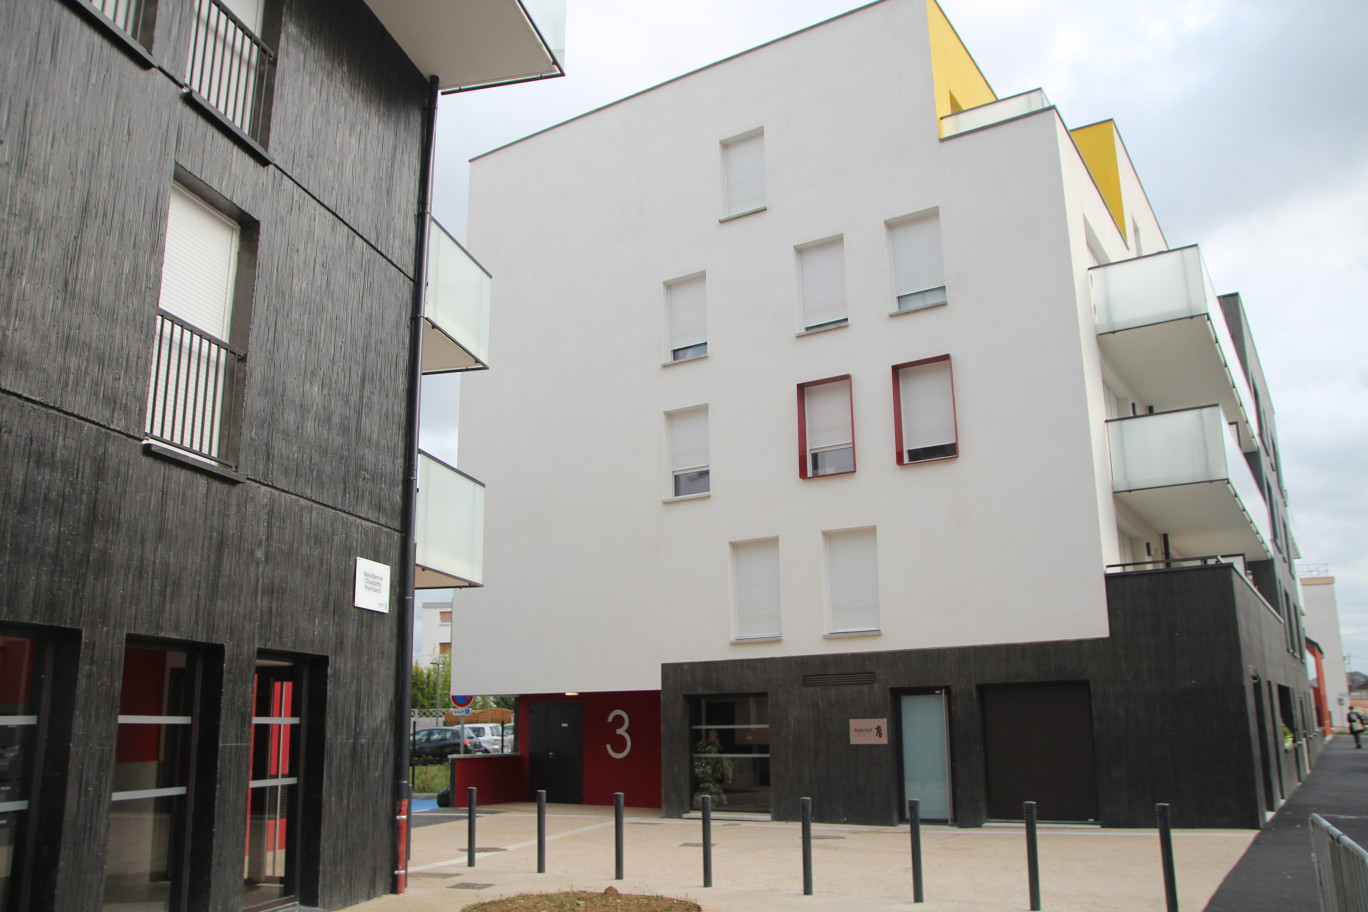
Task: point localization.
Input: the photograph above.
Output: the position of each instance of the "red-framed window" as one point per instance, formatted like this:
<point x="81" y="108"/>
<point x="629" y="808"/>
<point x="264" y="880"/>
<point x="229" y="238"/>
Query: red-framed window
<point x="826" y="427"/>
<point x="924" y="410"/>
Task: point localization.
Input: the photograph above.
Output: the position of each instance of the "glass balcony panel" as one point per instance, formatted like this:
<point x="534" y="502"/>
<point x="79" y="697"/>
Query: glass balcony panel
<point x="455" y="307"/>
<point x="1184" y="473"/>
<point x="549" y="18"/>
<point x="1161" y="325"/>
<point x="450" y="527"/>
<point x="993" y="112"/>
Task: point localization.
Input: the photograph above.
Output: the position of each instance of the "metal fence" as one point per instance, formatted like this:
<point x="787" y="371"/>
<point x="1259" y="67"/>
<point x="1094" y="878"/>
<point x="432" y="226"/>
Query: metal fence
<point x="1341" y="869"/>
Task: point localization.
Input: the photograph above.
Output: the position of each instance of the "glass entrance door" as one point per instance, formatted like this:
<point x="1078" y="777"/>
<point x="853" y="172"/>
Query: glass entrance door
<point x="269" y="864"/>
<point x="926" y="754"/>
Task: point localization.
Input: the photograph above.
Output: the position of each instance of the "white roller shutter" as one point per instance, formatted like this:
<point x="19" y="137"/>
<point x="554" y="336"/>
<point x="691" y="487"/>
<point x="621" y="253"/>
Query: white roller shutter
<point x="756" y="568"/>
<point x="687" y="302"/>
<point x="916" y="248"/>
<point x="928" y="405"/>
<point x="689" y="439"/>
<point x="853" y="574"/>
<point x="201" y="259"/>
<point x="745" y="167"/>
<point x="827" y="415"/>
<point x="822" y="268"/>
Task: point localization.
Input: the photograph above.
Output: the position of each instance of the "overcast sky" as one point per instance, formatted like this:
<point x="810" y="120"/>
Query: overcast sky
<point x="1247" y="121"/>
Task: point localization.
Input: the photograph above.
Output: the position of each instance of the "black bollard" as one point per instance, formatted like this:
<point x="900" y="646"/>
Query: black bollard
<point x="470" y="827"/>
<point x="707" y="840"/>
<point x="541" y="831"/>
<point x="1032" y="855"/>
<point x="617" y="842"/>
<point x="914" y="826"/>
<point x="1161" y="812"/>
<point x="806" y="804"/>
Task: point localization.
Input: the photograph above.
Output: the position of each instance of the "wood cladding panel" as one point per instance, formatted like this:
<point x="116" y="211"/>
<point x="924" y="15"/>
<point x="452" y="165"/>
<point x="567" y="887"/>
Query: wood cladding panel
<point x="1169" y="694"/>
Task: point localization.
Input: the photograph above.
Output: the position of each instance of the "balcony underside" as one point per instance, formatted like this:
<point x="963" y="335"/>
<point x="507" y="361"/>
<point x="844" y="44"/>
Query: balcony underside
<point x="470" y="43"/>
<point x="1200" y="518"/>
<point x="443" y="354"/>
<point x="1173" y="364"/>
<point x="428" y="578"/>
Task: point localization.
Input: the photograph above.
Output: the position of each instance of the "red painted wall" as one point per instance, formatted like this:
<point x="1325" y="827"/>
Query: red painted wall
<point x="637" y="773"/>
<point x="500" y="778"/>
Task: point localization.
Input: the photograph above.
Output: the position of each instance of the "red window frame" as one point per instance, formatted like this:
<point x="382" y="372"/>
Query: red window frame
<point x="901" y="452"/>
<point x="804" y="470"/>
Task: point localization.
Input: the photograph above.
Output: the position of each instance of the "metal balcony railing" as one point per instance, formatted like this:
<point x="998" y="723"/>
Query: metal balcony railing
<point x="195" y="381"/>
<point x="230" y="67"/>
<point x="128" y="15"/>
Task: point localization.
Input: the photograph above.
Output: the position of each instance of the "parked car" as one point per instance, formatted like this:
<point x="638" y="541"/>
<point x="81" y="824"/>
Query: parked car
<point x="441" y="742"/>
<point x="489" y="735"/>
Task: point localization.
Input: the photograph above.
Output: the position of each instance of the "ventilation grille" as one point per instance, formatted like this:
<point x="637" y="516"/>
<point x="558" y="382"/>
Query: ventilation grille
<point x="835" y="680"/>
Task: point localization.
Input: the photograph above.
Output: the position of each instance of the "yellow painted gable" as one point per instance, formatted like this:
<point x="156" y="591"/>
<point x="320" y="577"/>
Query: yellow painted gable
<point x="1097" y="144"/>
<point x="958" y="82"/>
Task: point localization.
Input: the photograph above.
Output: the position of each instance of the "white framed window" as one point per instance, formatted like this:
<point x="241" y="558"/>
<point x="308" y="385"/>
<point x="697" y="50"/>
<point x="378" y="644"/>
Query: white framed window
<point x="743" y="173"/>
<point x="196" y="374"/>
<point x="822" y="286"/>
<point x="852" y="571"/>
<point x="689" y="469"/>
<point x="686" y="317"/>
<point x="924" y="410"/>
<point x="826" y="428"/>
<point x="755" y="588"/>
<point x="918" y="270"/>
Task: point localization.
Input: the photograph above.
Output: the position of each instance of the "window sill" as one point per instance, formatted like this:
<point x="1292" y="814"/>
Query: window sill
<point x="826" y="475"/>
<point x="824" y="327"/>
<point x="741" y="641"/>
<point x="912" y="310"/>
<point x="846" y="634"/>
<point x="171" y="454"/>
<point x="700" y="496"/>
<point x="206" y="107"/>
<point x="737" y="215"/>
<point x="684" y="360"/>
<point x="125" y="41"/>
<point x="916" y="462"/>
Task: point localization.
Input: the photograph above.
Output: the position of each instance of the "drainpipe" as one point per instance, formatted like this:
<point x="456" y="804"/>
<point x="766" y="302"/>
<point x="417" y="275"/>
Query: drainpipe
<point x="403" y="669"/>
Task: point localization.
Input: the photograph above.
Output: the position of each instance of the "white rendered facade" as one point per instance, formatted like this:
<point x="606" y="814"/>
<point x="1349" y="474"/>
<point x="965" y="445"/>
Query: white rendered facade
<point x="1022" y="520"/>
<point x="1323" y="626"/>
<point x="833" y="382"/>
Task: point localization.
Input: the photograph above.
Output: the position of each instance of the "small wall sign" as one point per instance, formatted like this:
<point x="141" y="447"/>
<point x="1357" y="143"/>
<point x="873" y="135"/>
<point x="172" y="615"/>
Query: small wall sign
<point x="372" y="585"/>
<point x="868" y="731"/>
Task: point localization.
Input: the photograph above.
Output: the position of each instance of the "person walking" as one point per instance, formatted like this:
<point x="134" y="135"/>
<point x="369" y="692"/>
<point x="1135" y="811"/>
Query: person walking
<point x="1356" y="726"/>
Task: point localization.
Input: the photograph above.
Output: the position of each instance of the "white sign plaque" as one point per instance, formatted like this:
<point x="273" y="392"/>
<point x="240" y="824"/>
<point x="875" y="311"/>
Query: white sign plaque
<point x="372" y="585"/>
<point x="868" y="731"/>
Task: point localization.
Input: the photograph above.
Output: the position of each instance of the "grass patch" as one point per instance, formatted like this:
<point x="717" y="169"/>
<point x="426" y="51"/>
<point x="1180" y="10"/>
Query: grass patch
<point x="431" y="778"/>
<point x="609" y="900"/>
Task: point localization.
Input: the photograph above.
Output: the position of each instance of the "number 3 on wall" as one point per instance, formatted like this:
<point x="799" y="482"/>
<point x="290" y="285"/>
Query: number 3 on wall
<point x="627" y="748"/>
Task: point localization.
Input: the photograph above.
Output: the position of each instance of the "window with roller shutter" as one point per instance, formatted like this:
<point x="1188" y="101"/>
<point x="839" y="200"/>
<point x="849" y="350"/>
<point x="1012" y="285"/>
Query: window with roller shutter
<point x="826" y="428"/>
<point x="821" y="273"/>
<point x="755" y="574"/>
<point x="686" y="317"/>
<point x="852" y="564"/>
<point x="918" y="271"/>
<point x="689" y="470"/>
<point x="743" y="173"/>
<point x="924" y="410"/>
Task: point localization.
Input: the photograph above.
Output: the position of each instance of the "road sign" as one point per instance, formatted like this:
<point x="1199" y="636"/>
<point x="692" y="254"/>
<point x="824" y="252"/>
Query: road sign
<point x="461" y="701"/>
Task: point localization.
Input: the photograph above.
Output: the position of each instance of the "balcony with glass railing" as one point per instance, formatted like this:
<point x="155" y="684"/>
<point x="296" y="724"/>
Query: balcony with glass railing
<point x="455" y="307"/>
<point x="1162" y="328"/>
<point x="449" y="532"/>
<point x="470" y="44"/>
<point x="1183" y="473"/>
<point x="993" y="112"/>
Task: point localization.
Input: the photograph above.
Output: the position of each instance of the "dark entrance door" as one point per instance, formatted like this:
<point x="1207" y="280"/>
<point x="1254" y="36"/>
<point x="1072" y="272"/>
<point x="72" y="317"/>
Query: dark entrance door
<point x="557" y="752"/>
<point x="1038" y="743"/>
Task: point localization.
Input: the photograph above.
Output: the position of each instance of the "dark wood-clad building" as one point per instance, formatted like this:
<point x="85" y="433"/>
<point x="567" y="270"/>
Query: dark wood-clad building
<point x="219" y="271"/>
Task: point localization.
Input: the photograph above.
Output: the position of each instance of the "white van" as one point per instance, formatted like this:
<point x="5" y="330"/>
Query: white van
<point x="489" y="734"/>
